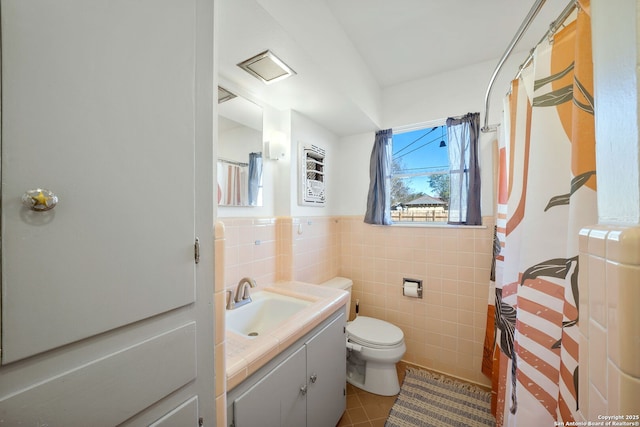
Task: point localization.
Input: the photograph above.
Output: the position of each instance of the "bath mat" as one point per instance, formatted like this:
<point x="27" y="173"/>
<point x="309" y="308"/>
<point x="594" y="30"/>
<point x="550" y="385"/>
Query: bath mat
<point x="429" y="399"/>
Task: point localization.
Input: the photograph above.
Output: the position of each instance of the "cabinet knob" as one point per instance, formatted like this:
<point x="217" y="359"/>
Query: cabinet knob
<point x="303" y="389"/>
<point x="313" y="378"/>
<point x="39" y="200"/>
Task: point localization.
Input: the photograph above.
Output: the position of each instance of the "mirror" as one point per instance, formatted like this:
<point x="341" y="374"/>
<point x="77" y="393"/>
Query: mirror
<point x="239" y="151"/>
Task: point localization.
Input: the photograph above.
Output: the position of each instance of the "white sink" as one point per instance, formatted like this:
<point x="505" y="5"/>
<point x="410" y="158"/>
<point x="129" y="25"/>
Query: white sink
<point x="264" y="314"/>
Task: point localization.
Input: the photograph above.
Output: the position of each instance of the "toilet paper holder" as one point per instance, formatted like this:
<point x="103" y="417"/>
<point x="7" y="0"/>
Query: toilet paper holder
<point x="412" y="288"/>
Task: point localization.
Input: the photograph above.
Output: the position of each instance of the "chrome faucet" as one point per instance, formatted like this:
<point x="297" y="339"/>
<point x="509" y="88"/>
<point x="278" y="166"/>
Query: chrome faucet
<point x="242" y="293"/>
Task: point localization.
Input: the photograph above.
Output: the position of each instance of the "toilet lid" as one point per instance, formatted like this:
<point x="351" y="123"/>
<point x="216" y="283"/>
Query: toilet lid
<point x="367" y="330"/>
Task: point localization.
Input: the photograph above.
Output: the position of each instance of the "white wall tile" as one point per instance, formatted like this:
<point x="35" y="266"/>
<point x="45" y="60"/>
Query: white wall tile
<point x="597" y="404"/>
<point x="598" y="357"/>
<point x="583" y="372"/>
<point x="583" y="287"/>
<point x="623" y="296"/>
<point x="596" y="268"/>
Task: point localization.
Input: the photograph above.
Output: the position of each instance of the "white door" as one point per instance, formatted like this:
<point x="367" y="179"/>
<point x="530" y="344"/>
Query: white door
<point x="100" y="105"/>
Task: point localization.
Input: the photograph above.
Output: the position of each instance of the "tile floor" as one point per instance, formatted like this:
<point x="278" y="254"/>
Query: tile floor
<point x="366" y="409"/>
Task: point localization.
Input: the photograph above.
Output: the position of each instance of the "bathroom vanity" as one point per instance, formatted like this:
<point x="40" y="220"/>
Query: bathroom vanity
<point x="301" y="378"/>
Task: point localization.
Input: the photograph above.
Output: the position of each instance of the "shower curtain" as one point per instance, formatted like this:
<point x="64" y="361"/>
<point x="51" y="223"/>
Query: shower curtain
<point x="546" y="194"/>
<point x="233" y="183"/>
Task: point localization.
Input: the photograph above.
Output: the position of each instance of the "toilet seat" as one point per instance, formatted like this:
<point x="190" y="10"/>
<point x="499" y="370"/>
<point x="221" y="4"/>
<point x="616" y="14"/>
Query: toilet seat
<point x="374" y="333"/>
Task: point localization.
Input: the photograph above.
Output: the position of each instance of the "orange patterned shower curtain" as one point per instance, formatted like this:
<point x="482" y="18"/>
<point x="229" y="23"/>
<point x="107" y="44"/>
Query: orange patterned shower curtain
<point x="546" y="194"/>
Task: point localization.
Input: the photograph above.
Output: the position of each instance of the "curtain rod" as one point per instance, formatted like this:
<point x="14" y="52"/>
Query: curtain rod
<point x="553" y="27"/>
<point x="232" y="162"/>
<point x="523" y="28"/>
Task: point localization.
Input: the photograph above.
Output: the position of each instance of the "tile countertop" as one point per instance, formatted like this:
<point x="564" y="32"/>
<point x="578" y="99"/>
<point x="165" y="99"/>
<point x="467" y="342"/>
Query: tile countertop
<point x="244" y="356"/>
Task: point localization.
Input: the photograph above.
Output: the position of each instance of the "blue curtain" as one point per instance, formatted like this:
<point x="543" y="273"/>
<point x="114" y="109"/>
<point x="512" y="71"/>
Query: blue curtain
<point x="255" y="176"/>
<point x="379" y="198"/>
<point x="464" y="203"/>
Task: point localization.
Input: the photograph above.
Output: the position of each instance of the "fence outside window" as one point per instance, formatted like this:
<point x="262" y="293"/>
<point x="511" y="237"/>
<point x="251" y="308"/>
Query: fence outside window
<point x="419" y="216"/>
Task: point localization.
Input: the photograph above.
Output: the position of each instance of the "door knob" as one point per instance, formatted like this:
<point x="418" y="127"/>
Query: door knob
<point x="39" y="199"/>
<point x="313" y="378"/>
<point x="303" y="389"/>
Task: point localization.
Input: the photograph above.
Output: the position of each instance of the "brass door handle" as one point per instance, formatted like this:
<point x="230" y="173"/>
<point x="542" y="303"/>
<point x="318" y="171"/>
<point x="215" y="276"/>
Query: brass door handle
<point x="39" y="200"/>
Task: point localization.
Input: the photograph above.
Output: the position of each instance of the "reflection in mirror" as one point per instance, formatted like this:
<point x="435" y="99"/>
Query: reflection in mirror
<point x="239" y="152"/>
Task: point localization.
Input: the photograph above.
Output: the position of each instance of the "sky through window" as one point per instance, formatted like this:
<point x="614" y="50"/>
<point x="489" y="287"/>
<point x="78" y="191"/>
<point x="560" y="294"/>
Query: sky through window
<point x="418" y="154"/>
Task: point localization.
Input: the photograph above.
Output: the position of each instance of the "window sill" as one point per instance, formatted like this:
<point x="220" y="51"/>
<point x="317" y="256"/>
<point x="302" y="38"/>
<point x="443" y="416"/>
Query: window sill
<point x="434" y="225"/>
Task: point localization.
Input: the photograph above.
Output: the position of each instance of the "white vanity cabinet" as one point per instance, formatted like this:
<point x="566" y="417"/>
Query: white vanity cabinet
<point x="303" y="386"/>
<point x="326" y="374"/>
<point x="277" y="399"/>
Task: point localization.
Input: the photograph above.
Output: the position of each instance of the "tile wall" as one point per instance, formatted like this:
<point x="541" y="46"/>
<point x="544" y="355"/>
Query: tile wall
<point x="219" y="332"/>
<point x="609" y="322"/>
<point x="315" y="246"/>
<point x="271" y="249"/>
<point x="251" y="249"/>
<point x="444" y="331"/>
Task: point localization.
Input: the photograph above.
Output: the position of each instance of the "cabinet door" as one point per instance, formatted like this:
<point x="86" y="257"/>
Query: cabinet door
<point x="326" y="375"/>
<point x="276" y="400"/>
<point x="100" y="118"/>
<point x="107" y="103"/>
<point x="183" y="416"/>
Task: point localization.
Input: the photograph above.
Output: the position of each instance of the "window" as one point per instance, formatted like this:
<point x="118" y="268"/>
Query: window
<point x="420" y="175"/>
<point x="412" y="166"/>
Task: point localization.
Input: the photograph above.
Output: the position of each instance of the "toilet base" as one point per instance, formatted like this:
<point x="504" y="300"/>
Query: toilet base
<point x="376" y="378"/>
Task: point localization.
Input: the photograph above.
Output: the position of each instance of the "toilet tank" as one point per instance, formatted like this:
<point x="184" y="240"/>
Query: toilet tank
<point x="344" y="284"/>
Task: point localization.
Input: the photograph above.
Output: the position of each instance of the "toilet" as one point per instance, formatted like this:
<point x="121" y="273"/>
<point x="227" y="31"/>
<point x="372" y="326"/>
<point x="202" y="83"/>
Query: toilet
<point x="373" y="349"/>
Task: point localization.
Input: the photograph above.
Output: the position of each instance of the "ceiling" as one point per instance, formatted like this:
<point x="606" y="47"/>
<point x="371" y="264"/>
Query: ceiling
<point x="346" y="53"/>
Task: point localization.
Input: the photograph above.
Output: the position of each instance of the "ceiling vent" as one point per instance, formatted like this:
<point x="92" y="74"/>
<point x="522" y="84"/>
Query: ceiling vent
<point x="224" y="95"/>
<point x="267" y="67"/>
